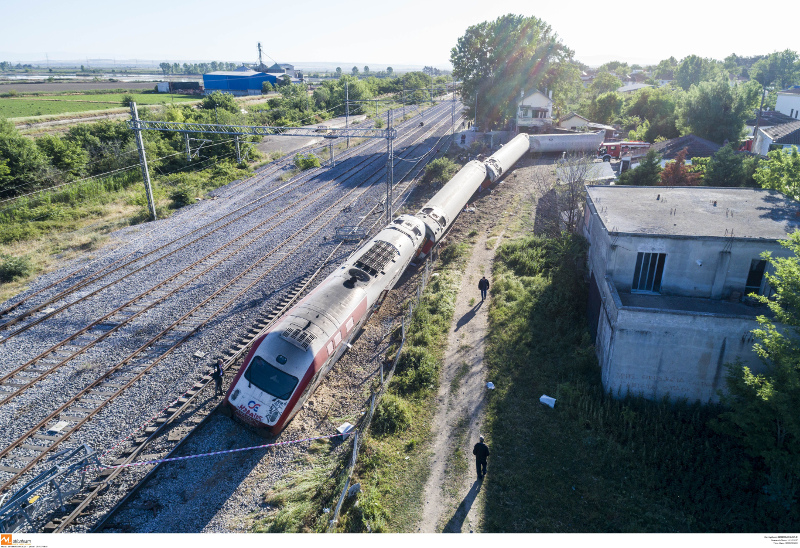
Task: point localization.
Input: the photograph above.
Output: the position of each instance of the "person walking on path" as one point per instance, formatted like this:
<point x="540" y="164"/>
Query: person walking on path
<point x="483" y="285"/>
<point x="217" y="376"/>
<point x="481" y="452"/>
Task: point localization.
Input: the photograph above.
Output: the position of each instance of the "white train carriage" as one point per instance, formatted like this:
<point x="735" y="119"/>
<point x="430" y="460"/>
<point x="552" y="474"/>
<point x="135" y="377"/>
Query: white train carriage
<point x="502" y="160"/>
<point x="287" y="364"/>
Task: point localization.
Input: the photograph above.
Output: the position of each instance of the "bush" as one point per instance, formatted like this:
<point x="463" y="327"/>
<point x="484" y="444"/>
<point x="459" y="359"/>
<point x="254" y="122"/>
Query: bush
<point x="183" y="195"/>
<point x="440" y="170"/>
<point x="392" y="415"/>
<point x="417" y="369"/>
<point x="306" y="161"/>
<point x="13" y="267"/>
<point x="127" y="99"/>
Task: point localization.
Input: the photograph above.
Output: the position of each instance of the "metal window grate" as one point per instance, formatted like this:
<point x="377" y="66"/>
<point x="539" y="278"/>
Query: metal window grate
<point x="299" y="337"/>
<point x="377" y="257"/>
<point x="648" y="272"/>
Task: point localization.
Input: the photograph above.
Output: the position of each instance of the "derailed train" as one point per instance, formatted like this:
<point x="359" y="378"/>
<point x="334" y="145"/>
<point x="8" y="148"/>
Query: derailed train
<point x="285" y="365"/>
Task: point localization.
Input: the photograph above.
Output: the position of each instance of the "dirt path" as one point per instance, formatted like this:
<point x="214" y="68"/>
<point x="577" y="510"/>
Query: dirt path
<point x="452" y="501"/>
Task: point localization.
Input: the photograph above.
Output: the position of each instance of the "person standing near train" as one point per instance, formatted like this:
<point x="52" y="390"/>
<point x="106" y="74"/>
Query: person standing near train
<point x="217" y="375"/>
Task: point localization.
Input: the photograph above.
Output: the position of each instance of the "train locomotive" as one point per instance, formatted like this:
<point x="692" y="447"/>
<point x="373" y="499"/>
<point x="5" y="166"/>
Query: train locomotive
<point x="285" y="365"/>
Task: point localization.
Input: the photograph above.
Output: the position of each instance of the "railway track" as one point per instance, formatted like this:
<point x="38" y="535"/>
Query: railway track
<point x="87" y="403"/>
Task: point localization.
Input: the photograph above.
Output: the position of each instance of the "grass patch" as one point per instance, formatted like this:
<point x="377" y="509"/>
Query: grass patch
<point x="297" y="504"/>
<point x="393" y="464"/>
<point x="490" y="243"/>
<point x="37" y="231"/>
<point x="23" y="106"/>
<point x="595" y="463"/>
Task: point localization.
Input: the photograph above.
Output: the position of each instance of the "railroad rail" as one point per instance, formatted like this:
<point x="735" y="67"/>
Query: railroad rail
<point x="104" y="389"/>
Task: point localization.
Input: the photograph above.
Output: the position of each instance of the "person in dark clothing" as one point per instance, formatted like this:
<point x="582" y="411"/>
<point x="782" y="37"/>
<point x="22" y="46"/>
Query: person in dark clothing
<point x="483" y="285"/>
<point x="481" y="452"/>
<point x="217" y="376"/>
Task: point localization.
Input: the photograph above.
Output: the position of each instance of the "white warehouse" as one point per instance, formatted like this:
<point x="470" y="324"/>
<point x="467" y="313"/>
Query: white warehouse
<point x="670" y="268"/>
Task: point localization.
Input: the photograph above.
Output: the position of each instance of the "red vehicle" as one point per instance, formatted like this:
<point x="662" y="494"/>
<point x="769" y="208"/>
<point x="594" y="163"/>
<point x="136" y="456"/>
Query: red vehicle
<point x="620" y="149"/>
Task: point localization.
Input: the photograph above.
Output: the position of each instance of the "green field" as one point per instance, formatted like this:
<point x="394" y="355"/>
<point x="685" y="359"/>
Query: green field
<point x="19" y="107"/>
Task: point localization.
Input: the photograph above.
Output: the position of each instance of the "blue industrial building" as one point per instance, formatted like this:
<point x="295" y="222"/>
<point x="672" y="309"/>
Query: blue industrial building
<point x="238" y="82"/>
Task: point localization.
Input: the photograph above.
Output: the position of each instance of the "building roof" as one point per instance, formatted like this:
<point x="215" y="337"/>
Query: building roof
<point x="785" y="134"/>
<point x="574" y="114"/>
<point x="239" y="73"/>
<point x="795" y="90"/>
<point x="769" y="118"/>
<point x="632" y="87"/>
<point x="751" y="213"/>
<point x="697" y="147"/>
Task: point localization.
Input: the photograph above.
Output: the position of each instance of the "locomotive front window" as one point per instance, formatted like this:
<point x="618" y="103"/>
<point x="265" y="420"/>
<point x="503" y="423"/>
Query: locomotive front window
<point x="270" y="379"/>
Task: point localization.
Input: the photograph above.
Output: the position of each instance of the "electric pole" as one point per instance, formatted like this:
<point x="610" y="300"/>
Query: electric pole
<point x="346" y="111"/>
<point x="389" y="165"/>
<point x="137" y="131"/>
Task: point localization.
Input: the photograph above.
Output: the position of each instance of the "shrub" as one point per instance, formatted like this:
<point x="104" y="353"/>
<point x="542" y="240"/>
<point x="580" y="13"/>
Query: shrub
<point x="440" y="170"/>
<point x="13" y="267"/>
<point x="127" y="99"/>
<point x="417" y="369"/>
<point x="306" y="161"/>
<point x="392" y="415"/>
<point x="183" y="195"/>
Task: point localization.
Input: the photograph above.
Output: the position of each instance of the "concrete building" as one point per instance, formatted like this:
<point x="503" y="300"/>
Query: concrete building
<point x="670" y="268"/>
<point x="788" y="102"/>
<point x="535" y="112"/>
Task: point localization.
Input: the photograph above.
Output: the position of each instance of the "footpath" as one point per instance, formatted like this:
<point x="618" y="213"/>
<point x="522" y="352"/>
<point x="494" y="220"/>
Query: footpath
<point x="452" y="501"/>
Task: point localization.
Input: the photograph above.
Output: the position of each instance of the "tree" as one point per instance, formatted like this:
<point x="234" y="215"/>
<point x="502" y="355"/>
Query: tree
<point x="648" y="173"/>
<point x="604" y="82"/>
<point x="676" y="174"/>
<point x="389" y="71"/>
<point x="693" y="69"/>
<point x="219" y="100"/>
<point x="665" y="69"/>
<point x="366" y="70"/>
<point x="762" y="408"/>
<point x="715" y="110"/>
<point x="338" y="72"/>
<point x="497" y="60"/>
<point x="657" y="107"/>
<point x="618" y="68"/>
<point x="24" y="160"/>
<point x="559" y="196"/>
<point x="781" y="172"/>
<point x="63" y="154"/>
<point x="354" y="71"/>
<point x="726" y="168"/>
<point x="606" y="107"/>
<point x="266" y="87"/>
<point x="165" y="68"/>
<point x="779" y="68"/>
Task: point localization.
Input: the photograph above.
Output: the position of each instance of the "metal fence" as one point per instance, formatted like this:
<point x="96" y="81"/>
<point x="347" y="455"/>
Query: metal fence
<point x="386" y="376"/>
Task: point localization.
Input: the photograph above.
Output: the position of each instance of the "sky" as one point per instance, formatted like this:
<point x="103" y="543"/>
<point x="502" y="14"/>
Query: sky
<point x="379" y="33"/>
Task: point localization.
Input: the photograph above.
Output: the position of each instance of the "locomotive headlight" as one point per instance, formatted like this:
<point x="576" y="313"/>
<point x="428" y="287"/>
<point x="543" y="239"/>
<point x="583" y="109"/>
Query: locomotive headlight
<point x="235" y="394"/>
<point x="281" y="359"/>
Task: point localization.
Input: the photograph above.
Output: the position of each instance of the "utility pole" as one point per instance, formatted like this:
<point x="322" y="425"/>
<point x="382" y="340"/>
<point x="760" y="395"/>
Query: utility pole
<point x="453" y="112"/>
<point x="389" y="166"/>
<point x="347" y="111"/>
<point x="137" y="131"/>
<point x="238" y="150"/>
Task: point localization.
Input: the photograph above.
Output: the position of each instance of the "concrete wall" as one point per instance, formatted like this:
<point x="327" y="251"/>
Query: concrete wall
<point x="702" y="267"/>
<point x="657" y="353"/>
<point x="788" y="104"/>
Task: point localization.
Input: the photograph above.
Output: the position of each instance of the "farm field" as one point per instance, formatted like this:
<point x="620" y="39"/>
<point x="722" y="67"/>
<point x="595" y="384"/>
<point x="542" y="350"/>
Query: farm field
<point x="19" y="107"/>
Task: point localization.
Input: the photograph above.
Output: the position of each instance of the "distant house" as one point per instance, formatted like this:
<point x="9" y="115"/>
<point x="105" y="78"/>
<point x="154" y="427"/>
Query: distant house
<point x="669" y="272"/>
<point x="697" y="147"/>
<point x="788" y="102"/>
<point x="534" y="112"/>
<point x="768" y="118"/>
<point x="632" y="87"/>
<point x="775" y="137"/>
<point x="573" y="120"/>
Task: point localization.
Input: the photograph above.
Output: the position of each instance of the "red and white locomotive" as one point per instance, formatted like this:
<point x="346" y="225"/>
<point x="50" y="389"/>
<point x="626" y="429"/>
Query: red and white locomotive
<point x="286" y="365"/>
